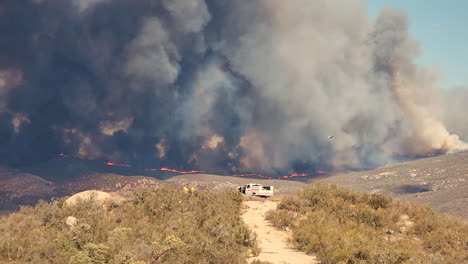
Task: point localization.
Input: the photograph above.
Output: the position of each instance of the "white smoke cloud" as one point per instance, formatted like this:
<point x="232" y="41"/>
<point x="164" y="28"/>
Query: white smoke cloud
<point x="262" y="85"/>
<point x="84" y="5"/>
<point x="311" y="61"/>
<point x="9" y="78"/>
<point x="328" y="70"/>
<point x="412" y="87"/>
<point x="455" y="111"/>
<point x="209" y="83"/>
<point x="190" y="16"/>
<point x="152" y="56"/>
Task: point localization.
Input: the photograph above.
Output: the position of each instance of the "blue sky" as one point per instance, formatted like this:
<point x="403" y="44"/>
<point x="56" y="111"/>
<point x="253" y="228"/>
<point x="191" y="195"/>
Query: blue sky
<point x="442" y="29"/>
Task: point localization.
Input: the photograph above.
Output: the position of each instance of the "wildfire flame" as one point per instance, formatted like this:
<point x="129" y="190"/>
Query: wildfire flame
<point x="177" y="171"/>
<point x="292" y="175"/>
<point x="151" y="169"/>
<point x="117" y="165"/>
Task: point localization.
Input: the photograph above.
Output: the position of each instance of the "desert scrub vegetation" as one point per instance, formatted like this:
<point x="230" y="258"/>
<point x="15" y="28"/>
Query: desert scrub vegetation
<point x="157" y="225"/>
<point x="341" y="226"/>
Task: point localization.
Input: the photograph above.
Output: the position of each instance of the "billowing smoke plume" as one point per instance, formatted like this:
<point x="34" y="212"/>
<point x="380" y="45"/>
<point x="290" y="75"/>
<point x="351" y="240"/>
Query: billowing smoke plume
<point x="215" y="84"/>
<point x="455" y="111"/>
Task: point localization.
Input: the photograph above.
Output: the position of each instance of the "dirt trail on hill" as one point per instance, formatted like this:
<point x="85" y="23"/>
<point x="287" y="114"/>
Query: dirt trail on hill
<point x="273" y="242"/>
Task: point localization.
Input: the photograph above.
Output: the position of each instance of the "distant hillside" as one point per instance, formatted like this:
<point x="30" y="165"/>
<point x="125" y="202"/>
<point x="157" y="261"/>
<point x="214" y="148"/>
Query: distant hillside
<point x="64" y="176"/>
<point x="17" y="188"/>
<point x="440" y="181"/>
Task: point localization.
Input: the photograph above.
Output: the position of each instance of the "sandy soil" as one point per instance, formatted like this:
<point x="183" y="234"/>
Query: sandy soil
<point x="273" y="242"/>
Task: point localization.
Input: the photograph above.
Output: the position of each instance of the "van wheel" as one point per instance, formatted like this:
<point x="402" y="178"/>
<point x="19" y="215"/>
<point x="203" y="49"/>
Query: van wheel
<point x="253" y="194"/>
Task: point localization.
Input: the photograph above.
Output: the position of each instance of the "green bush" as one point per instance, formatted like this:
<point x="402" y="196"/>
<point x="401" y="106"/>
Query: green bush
<point x="340" y="226"/>
<point x="162" y="225"/>
<point x="92" y="254"/>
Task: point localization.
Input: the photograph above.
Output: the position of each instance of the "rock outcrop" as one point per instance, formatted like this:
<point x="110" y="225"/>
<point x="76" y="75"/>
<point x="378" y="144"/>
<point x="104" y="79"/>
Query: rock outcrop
<point x="71" y="221"/>
<point x="97" y="197"/>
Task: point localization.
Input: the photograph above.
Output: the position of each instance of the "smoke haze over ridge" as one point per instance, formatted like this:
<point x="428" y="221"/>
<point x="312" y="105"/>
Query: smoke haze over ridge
<point x="217" y="85"/>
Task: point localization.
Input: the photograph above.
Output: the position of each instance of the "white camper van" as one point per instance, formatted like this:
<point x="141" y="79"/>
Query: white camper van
<point x="255" y="189"/>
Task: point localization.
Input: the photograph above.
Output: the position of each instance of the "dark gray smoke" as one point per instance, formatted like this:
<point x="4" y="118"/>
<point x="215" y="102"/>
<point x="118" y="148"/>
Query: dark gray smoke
<point x="214" y="84"/>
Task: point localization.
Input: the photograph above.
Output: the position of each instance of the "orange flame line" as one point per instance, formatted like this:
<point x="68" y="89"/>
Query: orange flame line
<point x="295" y="174"/>
<point x="176" y="171"/>
<point x="117" y="165"/>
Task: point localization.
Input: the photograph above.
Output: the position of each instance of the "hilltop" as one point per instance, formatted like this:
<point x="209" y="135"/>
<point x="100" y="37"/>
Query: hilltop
<point x="439" y="181"/>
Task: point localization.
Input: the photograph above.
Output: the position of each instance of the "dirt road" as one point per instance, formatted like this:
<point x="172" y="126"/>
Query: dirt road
<point x="273" y="242"/>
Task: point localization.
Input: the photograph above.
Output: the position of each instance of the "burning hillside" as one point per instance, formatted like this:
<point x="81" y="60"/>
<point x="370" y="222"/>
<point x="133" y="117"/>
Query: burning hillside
<point x="214" y="85"/>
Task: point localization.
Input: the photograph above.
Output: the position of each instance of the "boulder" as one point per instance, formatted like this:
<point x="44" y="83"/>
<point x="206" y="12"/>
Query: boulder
<point x="71" y="221"/>
<point x="97" y="197"/>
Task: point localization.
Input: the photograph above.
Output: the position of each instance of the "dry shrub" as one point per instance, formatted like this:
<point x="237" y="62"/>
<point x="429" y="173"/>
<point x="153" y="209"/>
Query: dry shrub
<point x="162" y="225"/>
<point x="341" y="226"/>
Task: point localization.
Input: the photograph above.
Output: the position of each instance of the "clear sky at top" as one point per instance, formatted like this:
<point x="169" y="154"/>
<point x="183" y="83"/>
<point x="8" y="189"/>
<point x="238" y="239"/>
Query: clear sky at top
<point x="442" y="29"/>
